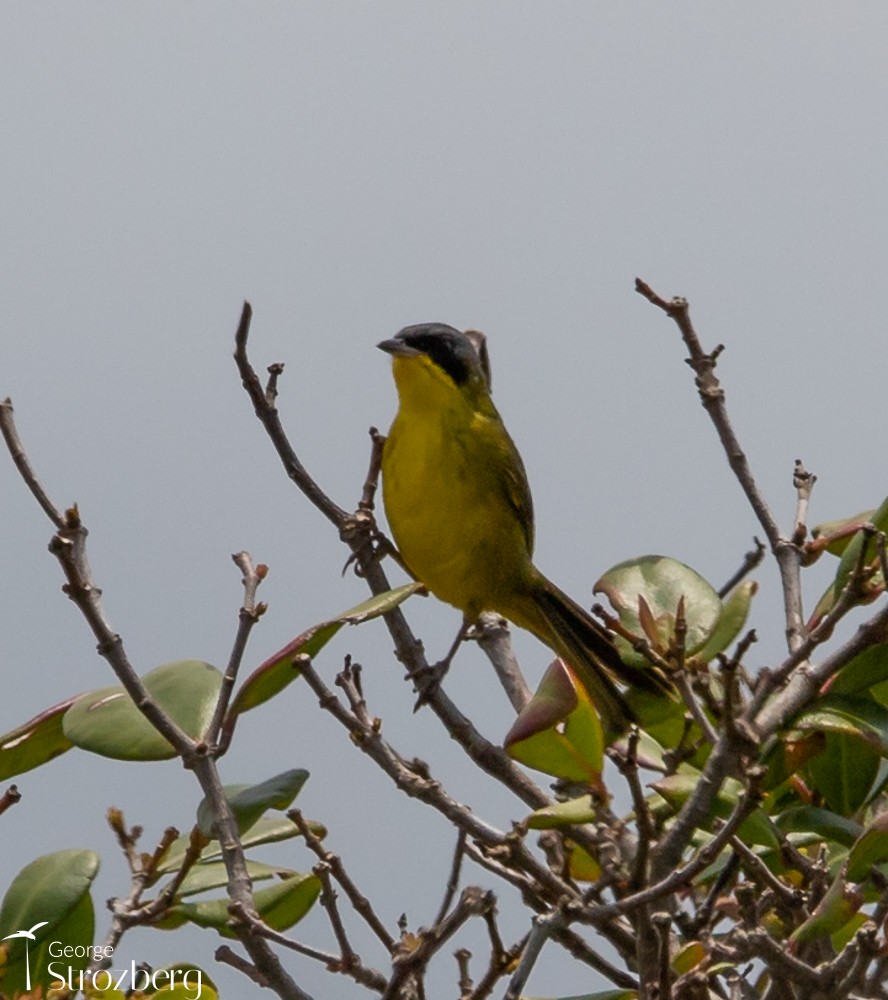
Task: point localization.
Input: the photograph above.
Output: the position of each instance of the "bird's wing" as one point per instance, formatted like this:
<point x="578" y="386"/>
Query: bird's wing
<point x="508" y="475"/>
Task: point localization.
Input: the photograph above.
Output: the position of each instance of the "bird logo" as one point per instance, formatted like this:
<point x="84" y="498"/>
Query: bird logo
<point x="28" y="936"/>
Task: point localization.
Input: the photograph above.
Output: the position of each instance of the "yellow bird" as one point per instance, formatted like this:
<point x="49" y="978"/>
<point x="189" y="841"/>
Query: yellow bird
<point x="459" y="507"/>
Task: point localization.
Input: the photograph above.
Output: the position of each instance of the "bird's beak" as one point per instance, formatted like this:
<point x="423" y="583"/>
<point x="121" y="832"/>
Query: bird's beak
<point x="397" y="348"/>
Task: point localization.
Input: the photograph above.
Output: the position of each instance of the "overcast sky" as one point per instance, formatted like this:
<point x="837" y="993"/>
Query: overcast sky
<point x="352" y="168"/>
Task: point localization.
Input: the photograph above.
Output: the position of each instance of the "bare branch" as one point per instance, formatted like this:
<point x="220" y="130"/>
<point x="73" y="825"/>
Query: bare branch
<point x="250" y="613"/>
<point x="453" y="877"/>
<point x="544" y="927"/>
<point x="804" y="683"/>
<point x="712" y="396"/>
<point x="472" y="902"/>
<point x="413" y="779"/>
<point x="628" y="767"/>
<point x="19" y="456"/>
<point x="492" y="634"/>
<point x="358" y="900"/>
<point x="266" y="411"/>
<point x="751" y="560"/>
<point x="804" y="482"/>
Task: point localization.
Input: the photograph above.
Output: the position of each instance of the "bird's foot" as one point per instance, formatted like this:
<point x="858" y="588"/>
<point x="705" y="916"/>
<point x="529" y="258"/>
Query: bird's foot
<point x="427" y="680"/>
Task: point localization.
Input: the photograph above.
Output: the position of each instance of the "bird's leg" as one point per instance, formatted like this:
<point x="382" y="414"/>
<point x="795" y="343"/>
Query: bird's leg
<point x="428" y="679"/>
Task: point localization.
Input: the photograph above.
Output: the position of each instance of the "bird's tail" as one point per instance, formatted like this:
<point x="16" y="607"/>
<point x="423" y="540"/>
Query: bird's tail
<point x="571" y="632"/>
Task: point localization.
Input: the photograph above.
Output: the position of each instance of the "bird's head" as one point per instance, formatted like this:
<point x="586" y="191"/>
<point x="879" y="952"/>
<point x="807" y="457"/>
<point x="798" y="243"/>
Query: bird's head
<point x="441" y="351"/>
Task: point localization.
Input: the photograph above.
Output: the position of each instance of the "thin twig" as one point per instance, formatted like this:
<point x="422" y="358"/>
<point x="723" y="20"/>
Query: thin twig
<point x="752" y="559"/>
<point x="358" y="900"/>
<point x="762" y="874"/>
<point x="348" y="955"/>
<point x="249" y="614"/>
<point x="628" y="767"/>
<point x="544" y="927"/>
<point x="680" y="680"/>
<point x="712" y="396"/>
<point x="23" y="464"/>
<point x="453" y="877"/>
<point x="472" y="902"/>
<point x="266" y="411"/>
<point x="368" y="496"/>
<point x="804" y="482"/>
<point x="414" y="780"/>
<point x="748" y="800"/>
<point x="662" y="923"/>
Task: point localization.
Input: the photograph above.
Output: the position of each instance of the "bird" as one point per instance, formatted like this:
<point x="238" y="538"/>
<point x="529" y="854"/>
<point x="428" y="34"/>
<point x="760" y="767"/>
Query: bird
<point x="459" y="507"/>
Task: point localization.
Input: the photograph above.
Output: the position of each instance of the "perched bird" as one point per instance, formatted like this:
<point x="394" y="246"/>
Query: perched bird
<point x="459" y="507"/>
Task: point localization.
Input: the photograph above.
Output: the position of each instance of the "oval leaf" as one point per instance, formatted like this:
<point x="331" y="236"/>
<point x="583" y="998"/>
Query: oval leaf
<point x="47" y="901"/>
<point x="660" y="583"/>
<point x="560" y="814"/>
<point x="249" y="802"/>
<point x="735" y="611"/>
<point x="558" y="731"/>
<point x="860" y="717"/>
<point x="278" y="671"/>
<point x="268" y="830"/>
<point x="863" y="672"/>
<point x="213" y="875"/>
<point x="757" y="828"/>
<point x="107" y="722"/>
<point x="844" y="771"/>
<point x="870" y="849"/>
<point x="35" y="742"/>
<point x="280" y="906"/>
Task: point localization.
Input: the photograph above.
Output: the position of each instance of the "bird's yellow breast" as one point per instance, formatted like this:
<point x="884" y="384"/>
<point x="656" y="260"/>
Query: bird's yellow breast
<point x="446" y="505"/>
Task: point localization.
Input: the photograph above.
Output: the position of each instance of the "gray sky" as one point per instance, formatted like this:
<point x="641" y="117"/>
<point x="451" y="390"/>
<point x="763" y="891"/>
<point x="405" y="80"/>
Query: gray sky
<point x="352" y="168"/>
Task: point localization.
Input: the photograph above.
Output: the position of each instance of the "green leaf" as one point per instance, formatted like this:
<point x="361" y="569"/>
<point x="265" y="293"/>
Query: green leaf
<point x="844" y="772"/>
<point x="267" y="830"/>
<point x="280" y="906"/>
<point x="558" y="731"/>
<point x="838" y="906"/>
<point x="863" y="672"/>
<point x="107" y="722"/>
<point x="213" y="875"/>
<point x="824" y="823"/>
<point x="278" y="671"/>
<point x="50" y="898"/>
<point x="581" y="865"/>
<point x="664" y="720"/>
<point x="860" y="717"/>
<point x="870" y="849"/>
<point x="677" y="788"/>
<point x="34" y="742"/>
<point x="661" y="583"/>
<point x="849" y="560"/>
<point x="735" y="611"/>
<point x="844" y="528"/>
<point x="249" y="802"/>
<point x="688" y="957"/>
<point x="561" y="814"/>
